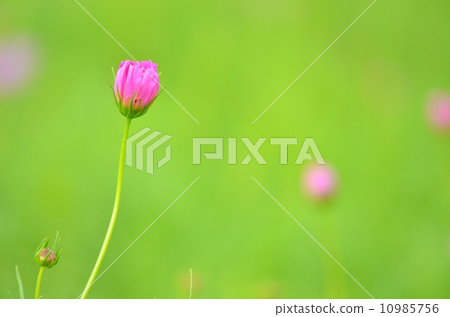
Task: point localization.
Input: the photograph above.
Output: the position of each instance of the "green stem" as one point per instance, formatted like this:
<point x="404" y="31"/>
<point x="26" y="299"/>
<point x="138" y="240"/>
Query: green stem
<point x="38" y="282"/>
<point x="112" y="222"/>
<point x="19" y="281"/>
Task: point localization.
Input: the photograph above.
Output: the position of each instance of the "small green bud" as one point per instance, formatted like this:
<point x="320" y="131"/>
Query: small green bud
<point x="48" y="257"/>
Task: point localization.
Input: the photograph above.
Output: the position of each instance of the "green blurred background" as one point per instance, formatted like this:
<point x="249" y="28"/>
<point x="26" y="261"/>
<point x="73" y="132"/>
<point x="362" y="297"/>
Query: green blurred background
<point x="363" y="102"/>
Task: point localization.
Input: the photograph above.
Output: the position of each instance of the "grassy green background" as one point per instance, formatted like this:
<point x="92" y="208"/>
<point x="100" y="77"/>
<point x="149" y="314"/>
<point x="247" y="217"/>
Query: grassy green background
<point x="226" y="61"/>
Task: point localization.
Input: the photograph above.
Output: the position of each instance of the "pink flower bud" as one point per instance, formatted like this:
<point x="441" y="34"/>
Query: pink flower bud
<point x="48" y="259"/>
<point x="439" y="112"/>
<point x="135" y="87"/>
<point x="319" y="181"/>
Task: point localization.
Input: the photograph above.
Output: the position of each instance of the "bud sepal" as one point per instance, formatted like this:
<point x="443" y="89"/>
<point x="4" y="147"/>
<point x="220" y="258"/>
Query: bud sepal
<point x="48" y="257"/>
<point x="131" y="111"/>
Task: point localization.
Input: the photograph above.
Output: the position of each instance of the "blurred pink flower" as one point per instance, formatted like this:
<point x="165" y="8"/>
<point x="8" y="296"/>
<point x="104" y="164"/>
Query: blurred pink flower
<point x="17" y="63"/>
<point x="136" y="85"/>
<point x="438" y="109"/>
<point x="319" y="181"/>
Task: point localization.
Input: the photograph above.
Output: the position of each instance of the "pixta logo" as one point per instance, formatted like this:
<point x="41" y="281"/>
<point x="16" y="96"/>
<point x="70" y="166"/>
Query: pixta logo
<point x="253" y="150"/>
<point x="144" y="144"/>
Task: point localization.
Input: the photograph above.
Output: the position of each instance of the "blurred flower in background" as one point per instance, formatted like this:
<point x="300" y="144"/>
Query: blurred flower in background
<point x="18" y="60"/>
<point x="438" y="111"/>
<point x="319" y="182"/>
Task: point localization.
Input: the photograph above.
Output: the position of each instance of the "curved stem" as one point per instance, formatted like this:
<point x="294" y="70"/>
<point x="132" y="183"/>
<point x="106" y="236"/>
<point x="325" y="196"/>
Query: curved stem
<point x="19" y="281"/>
<point x="38" y="283"/>
<point x="112" y="222"/>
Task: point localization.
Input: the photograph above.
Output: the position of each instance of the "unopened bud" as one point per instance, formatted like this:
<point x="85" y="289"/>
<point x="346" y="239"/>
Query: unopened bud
<point x="136" y="87"/>
<point x="48" y="257"/>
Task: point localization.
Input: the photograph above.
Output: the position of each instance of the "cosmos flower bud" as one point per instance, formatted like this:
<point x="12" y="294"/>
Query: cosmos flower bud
<point x="135" y="87"/>
<point x="48" y="257"/>
<point x="319" y="182"/>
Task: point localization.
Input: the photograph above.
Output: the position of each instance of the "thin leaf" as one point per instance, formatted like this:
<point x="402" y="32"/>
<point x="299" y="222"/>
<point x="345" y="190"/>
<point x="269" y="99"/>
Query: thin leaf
<point x="56" y="243"/>
<point x="19" y="281"/>
<point x="43" y="245"/>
